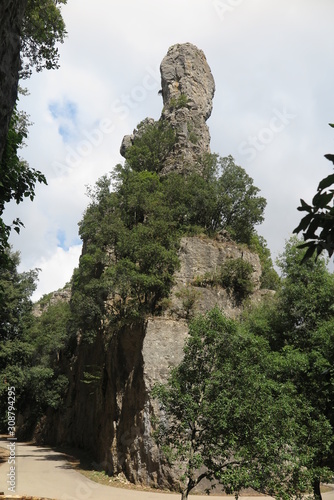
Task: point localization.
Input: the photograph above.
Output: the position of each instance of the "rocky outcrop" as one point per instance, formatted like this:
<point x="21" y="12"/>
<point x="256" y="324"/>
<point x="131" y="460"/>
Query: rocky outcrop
<point x="11" y="15"/>
<point x="62" y="295"/>
<point x="109" y="407"/>
<point x="187" y="90"/>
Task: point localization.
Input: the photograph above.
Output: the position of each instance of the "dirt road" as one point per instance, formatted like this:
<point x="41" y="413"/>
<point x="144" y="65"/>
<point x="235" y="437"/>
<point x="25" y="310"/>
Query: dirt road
<point x="40" y="471"/>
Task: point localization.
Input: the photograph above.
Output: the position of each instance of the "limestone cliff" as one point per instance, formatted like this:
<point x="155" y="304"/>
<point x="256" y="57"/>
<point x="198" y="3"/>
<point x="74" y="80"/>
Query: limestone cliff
<point x="109" y="407"/>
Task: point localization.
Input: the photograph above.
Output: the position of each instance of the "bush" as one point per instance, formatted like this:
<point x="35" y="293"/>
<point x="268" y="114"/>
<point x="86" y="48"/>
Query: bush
<point x="153" y="143"/>
<point x="179" y="102"/>
<point x="236" y="277"/>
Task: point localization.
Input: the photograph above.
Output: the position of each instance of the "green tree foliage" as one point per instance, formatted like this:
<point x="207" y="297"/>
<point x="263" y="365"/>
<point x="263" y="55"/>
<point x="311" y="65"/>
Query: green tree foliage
<point x="41" y="31"/>
<point x="43" y="28"/>
<point x="240" y="206"/>
<point x="152" y="144"/>
<point x="269" y="277"/>
<point x="131" y="231"/>
<point x="131" y="251"/>
<point x="224" y="197"/>
<point x="317" y="226"/>
<point x="227" y="415"/>
<point x="15" y="291"/>
<point x="29" y="346"/>
<point x="18" y="180"/>
<point x="236" y="277"/>
<point x="298" y="325"/>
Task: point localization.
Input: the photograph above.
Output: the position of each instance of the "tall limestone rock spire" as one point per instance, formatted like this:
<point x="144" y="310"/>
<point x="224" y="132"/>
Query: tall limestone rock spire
<point x="187" y="90"/>
<point x="113" y="414"/>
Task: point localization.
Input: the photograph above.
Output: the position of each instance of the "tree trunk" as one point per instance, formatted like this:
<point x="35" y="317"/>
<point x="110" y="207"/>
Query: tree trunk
<point x="191" y="484"/>
<point x="316" y="489"/>
<point x="11" y="15"/>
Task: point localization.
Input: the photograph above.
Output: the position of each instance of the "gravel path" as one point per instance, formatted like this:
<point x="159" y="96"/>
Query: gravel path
<point x="40" y="471"/>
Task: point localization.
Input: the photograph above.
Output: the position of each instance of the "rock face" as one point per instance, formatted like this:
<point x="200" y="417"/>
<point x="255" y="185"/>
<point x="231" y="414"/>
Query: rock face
<point x="11" y="15"/>
<point x="63" y="295"/>
<point x="187" y="90"/>
<point x="109" y="407"/>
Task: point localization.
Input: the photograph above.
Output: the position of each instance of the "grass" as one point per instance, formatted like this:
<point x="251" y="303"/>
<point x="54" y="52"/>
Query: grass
<point x="83" y="462"/>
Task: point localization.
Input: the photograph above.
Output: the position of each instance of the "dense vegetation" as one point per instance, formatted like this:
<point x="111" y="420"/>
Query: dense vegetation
<point x="279" y="354"/>
<point x="298" y="324"/>
<point x="253" y="400"/>
<point x="133" y="226"/>
<point x="41" y="31"/>
<point x="29" y="347"/>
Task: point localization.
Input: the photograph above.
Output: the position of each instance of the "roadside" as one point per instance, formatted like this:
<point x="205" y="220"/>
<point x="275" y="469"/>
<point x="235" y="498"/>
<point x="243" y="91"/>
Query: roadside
<point x="43" y="472"/>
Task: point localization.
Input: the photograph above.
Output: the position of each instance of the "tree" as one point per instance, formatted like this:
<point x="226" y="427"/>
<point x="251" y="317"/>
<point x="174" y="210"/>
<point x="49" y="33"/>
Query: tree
<point x="30" y="31"/>
<point x="240" y="207"/>
<point x="15" y="318"/>
<point x="18" y="180"/>
<point x="227" y="416"/>
<point x="42" y="29"/>
<point x="152" y="144"/>
<point x="29" y="347"/>
<point x="317" y="227"/>
<point x="15" y="291"/>
<point x="297" y="324"/>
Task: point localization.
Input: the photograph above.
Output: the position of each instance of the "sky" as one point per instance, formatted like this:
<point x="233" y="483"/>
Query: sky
<point x="272" y="65"/>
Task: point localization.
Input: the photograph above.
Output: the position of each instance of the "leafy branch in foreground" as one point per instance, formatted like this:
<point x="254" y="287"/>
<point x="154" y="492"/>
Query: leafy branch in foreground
<point x="317" y="226"/>
<point x="18" y="180"/>
<point x="43" y="28"/>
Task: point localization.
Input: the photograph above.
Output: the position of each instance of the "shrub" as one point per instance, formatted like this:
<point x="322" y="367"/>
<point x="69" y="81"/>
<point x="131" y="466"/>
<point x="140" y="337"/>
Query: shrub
<point x="180" y="102"/>
<point x="236" y="277"/>
<point x="153" y="143"/>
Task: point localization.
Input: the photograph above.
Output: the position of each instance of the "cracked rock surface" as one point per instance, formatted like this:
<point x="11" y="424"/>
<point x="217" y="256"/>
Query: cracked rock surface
<point x="187" y="90"/>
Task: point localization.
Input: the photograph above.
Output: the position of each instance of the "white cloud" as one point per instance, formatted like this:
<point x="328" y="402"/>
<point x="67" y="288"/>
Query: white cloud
<point x="57" y="269"/>
<point x="264" y="56"/>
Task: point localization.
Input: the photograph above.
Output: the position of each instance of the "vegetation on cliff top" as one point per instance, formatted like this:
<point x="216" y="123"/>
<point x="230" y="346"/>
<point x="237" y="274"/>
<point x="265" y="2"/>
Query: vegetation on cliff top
<point x="133" y="225"/>
<point x="131" y="232"/>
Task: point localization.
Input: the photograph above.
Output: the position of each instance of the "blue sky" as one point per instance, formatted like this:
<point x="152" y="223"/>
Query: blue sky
<point x="65" y="113"/>
<point x="274" y="99"/>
